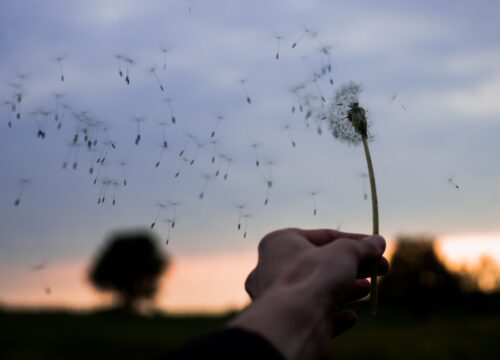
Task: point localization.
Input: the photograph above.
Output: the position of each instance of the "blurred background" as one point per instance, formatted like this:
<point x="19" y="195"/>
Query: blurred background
<point x="195" y="128"/>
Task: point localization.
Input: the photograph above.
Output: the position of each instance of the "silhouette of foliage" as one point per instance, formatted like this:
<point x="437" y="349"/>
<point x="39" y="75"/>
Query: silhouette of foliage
<point x="418" y="281"/>
<point x="129" y="265"/>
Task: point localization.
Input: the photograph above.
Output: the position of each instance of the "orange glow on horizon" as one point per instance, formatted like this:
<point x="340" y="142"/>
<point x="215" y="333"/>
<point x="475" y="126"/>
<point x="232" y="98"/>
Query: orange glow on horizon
<point x="204" y="283"/>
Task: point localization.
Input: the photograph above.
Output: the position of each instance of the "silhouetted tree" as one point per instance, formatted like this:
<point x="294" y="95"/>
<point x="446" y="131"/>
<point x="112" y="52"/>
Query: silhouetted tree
<point x="418" y="280"/>
<point x="130" y="266"/>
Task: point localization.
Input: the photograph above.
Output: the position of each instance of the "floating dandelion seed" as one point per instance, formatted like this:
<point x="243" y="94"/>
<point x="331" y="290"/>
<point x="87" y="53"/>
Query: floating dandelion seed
<point x="22" y="184"/>
<point x="172" y="116"/>
<point x="304" y="33"/>
<point x="222" y="157"/>
<point x="115" y="185"/>
<point x="102" y="164"/>
<point x="40" y="269"/>
<point x="296" y="93"/>
<point x="152" y="70"/>
<point x="255" y="147"/>
<point x="173" y="205"/>
<point x="164" y="51"/>
<point x="190" y="138"/>
<point x="214" y="145"/>
<point x="198" y="147"/>
<point x="269" y="186"/>
<point x="105" y="149"/>
<point x="243" y="85"/>
<point x="41" y="116"/>
<point x="73" y="150"/>
<point x="106" y="184"/>
<point x="128" y="62"/>
<point x="278" y="40"/>
<point x="218" y="120"/>
<point x="123" y="164"/>
<point x="451" y="180"/>
<point x="60" y="60"/>
<point x="7" y="103"/>
<point x="348" y="123"/>
<point x="313" y="195"/>
<point x="138" y="120"/>
<point x="228" y="165"/>
<point x="184" y="161"/>
<point x="120" y="59"/>
<point x="57" y="106"/>
<point x="395" y="98"/>
<point x="325" y="50"/>
<point x="240" y="208"/>
<point x="245" y="224"/>
<point x="161" y="207"/>
<point x="189" y="4"/>
<point x="93" y="157"/>
<point x="206" y="178"/>
<point x="287" y="129"/>
<point x="316" y="77"/>
<point x="170" y="226"/>
<point x="164" y="145"/>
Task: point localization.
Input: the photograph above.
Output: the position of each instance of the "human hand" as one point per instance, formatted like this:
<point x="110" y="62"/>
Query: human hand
<point x="301" y="283"/>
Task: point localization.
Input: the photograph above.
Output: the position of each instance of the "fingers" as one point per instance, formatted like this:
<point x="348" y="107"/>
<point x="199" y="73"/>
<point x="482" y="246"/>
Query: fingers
<point x="360" y="289"/>
<point x="321" y="237"/>
<point x="343" y="321"/>
<point x="355" y="251"/>
<point x="366" y="269"/>
<point x="250" y="285"/>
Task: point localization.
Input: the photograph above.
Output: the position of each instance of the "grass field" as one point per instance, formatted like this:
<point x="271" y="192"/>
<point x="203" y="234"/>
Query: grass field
<point x="59" y="335"/>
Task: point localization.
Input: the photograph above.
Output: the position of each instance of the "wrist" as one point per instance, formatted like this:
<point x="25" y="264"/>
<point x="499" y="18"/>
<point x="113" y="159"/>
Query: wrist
<point x="292" y="320"/>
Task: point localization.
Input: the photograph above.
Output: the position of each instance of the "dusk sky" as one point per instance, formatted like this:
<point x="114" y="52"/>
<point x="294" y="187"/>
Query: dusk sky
<point x="431" y="82"/>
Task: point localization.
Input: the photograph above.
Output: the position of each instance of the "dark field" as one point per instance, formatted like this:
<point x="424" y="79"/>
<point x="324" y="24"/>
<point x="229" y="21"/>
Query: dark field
<point x="58" y="335"/>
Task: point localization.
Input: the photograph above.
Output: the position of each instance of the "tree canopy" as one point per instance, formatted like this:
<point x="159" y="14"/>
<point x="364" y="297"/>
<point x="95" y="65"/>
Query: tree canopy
<point x="129" y="265"/>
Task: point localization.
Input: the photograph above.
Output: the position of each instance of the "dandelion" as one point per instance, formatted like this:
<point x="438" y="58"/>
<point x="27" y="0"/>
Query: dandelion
<point x="172" y="115"/>
<point x="40" y="269"/>
<point x="161" y="207"/>
<point x="138" y="120"/>
<point x="395" y="98"/>
<point x="240" y="208"/>
<point x="245" y="224"/>
<point x="59" y="60"/>
<point x="313" y="195"/>
<point x="305" y="32"/>
<point x="228" y="165"/>
<point x="184" y="161"/>
<point x="206" y="178"/>
<point x="164" y="145"/>
<point x="164" y="51"/>
<point x="216" y="125"/>
<point x="22" y="184"/>
<point x="255" y="147"/>
<point x="123" y="164"/>
<point x="170" y="226"/>
<point x="173" y="205"/>
<point x="73" y="150"/>
<point x="452" y="182"/>
<point x="245" y="90"/>
<point x="287" y="128"/>
<point x="348" y="123"/>
<point x="278" y="40"/>
<point x="152" y="70"/>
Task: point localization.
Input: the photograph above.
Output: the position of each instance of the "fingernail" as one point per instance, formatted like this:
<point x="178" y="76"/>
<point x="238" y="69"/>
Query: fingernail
<point x="377" y="241"/>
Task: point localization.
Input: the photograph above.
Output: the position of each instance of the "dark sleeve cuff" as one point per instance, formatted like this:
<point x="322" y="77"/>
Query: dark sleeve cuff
<point x="230" y="343"/>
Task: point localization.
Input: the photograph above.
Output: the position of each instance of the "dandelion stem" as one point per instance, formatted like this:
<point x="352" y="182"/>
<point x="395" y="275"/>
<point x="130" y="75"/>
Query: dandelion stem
<point x="373" y="188"/>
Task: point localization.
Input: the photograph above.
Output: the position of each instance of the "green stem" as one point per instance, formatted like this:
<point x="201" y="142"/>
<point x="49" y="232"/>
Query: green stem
<point x="373" y="188"/>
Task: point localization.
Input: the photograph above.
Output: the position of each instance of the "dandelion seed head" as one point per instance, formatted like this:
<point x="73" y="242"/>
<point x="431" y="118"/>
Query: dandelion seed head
<point x="347" y="120"/>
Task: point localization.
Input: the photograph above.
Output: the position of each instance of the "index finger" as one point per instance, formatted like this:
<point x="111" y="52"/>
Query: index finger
<point x="320" y="237"/>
